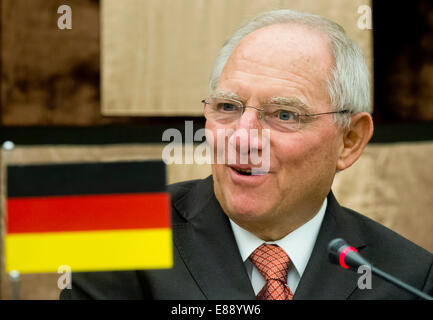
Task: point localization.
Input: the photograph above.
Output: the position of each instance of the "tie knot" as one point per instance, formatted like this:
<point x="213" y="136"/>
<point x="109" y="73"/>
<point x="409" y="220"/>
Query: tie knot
<point x="272" y="262"/>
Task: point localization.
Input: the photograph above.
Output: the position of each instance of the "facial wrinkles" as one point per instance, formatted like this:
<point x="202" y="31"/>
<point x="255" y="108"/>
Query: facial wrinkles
<point x="301" y="85"/>
<point x="283" y="101"/>
<point x="301" y="160"/>
<point x="300" y="170"/>
<point x="299" y="71"/>
<point x="314" y="136"/>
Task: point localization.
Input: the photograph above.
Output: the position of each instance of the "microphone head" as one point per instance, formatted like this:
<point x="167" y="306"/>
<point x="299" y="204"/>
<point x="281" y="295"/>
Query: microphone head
<point x="334" y="249"/>
<point x="339" y="252"/>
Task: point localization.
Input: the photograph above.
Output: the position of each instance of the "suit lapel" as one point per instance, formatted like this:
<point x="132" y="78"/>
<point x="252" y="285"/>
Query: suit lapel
<point x="207" y="246"/>
<point x="321" y="279"/>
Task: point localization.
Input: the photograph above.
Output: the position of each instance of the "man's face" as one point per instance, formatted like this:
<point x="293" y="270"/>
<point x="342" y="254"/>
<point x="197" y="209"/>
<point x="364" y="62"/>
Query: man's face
<point x="279" y="61"/>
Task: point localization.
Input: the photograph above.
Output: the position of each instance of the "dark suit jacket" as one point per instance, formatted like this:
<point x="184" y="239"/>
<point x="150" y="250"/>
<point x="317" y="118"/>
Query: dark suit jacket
<point x="208" y="265"/>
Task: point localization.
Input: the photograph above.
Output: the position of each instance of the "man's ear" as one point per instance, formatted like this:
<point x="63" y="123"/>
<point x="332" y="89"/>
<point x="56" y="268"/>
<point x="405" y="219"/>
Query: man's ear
<point x="355" y="139"/>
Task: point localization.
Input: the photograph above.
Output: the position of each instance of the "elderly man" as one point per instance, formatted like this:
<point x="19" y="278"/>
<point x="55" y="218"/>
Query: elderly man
<point x="263" y="234"/>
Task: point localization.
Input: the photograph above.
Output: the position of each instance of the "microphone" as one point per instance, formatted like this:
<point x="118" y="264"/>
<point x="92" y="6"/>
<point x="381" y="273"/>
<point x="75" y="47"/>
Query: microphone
<point x="339" y="252"/>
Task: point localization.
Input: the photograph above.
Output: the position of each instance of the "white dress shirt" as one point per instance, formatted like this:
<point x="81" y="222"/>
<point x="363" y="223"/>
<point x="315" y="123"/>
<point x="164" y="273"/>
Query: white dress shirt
<point x="298" y="245"/>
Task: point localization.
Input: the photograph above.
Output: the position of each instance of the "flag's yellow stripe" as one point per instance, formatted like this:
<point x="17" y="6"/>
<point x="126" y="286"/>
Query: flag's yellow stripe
<point x="89" y="251"/>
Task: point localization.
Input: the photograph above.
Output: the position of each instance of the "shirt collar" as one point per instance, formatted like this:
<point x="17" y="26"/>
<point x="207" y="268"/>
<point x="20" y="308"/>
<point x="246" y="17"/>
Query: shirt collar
<point x="298" y="244"/>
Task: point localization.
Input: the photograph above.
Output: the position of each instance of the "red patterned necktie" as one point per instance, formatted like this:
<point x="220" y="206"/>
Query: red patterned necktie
<point x="273" y="263"/>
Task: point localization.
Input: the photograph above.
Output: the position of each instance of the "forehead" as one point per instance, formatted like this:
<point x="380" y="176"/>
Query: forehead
<point x="282" y="44"/>
<point x="288" y="55"/>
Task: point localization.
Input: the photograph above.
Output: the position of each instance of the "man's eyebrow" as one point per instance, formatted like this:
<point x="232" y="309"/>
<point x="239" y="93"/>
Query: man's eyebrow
<point x="290" y="102"/>
<point x="284" y="101"/>
<point x="225" y="95"/>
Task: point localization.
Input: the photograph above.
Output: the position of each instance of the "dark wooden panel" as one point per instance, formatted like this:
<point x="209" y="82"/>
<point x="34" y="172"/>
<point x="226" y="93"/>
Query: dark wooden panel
<point x="50" y="76"/>
<point x="403" y="61"/>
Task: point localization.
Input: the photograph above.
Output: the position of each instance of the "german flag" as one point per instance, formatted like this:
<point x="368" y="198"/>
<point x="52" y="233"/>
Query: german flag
<point x="88" y="216"/>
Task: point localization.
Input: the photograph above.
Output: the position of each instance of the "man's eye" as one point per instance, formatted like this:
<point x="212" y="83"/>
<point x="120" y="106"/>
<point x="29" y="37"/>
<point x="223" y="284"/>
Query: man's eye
<point x="226" y="107"/>
<point x="285" y="115"/>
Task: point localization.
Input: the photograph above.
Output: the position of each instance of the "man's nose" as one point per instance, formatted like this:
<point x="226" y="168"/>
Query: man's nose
<point x="250" y="119"/>
<point x="247" y="131"/>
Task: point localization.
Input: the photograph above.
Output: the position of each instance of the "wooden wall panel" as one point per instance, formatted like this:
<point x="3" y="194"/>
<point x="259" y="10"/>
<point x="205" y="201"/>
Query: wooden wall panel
<point x="404" y="62"/>
<point x="157" y="54"/>
<point x="393" y="184"/>
<point x="49" y="76"/>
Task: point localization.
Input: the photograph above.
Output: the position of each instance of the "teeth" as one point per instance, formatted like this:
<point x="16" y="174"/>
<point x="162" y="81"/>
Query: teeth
<point x="249" y="172"/>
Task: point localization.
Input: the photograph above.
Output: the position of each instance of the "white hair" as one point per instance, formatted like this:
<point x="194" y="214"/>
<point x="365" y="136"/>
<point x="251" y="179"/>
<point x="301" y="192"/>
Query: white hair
<point x="348" y="82"/>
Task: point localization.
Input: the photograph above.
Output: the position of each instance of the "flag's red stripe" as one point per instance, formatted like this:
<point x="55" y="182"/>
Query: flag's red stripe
<point x="88" y="212"/>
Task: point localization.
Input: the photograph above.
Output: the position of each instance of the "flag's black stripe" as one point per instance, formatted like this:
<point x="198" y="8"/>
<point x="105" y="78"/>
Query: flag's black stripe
<point x="86" y="178"/>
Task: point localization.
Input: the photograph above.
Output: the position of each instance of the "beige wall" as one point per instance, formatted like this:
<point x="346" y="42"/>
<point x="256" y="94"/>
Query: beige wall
<point x="157" y="54"/>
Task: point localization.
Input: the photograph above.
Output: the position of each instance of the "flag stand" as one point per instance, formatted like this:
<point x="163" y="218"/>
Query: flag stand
<point x="15" y="281"/>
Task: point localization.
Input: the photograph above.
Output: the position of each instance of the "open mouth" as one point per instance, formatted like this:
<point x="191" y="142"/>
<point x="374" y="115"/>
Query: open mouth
<point x="246" y="172"/>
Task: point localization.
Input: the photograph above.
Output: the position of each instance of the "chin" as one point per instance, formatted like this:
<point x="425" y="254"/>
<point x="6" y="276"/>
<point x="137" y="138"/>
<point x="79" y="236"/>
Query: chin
<point x="245" y="208"/>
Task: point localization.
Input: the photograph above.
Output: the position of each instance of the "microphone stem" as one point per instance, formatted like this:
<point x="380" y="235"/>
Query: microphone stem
<point x="400" y="284"/>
